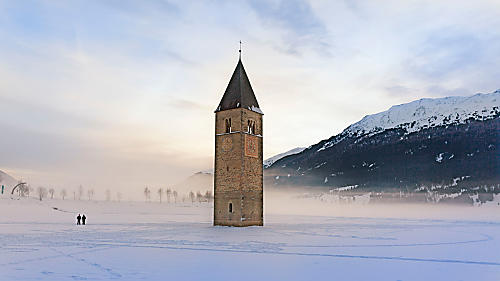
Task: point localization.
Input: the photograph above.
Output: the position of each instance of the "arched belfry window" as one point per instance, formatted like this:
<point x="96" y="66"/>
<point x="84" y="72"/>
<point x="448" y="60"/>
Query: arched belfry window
<point x="228" y="125"/>
<point x="230" y="207"/>
<point x="251" y="126"/>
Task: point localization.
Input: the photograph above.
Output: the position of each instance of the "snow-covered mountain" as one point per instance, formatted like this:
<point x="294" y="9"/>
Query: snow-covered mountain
<point x="269" y="161"/>
<point x="425" y="113"/>
<point x="451" y="142"/>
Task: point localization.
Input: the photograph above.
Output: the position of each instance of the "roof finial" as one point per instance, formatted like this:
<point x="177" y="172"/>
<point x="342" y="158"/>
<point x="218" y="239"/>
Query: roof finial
<point x="240" y="50"/>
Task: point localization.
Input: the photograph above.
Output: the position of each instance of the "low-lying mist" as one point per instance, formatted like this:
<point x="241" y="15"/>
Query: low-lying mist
<point x="313" y="203"/>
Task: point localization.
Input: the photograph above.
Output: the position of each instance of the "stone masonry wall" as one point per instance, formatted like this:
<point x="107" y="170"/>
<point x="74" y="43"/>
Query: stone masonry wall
<point x="238" y="178"/>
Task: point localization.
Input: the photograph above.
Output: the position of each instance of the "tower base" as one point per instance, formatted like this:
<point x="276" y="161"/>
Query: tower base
<point x="239" y="224"/>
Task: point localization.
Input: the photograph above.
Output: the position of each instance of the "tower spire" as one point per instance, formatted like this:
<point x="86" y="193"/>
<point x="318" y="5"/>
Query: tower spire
<point x="239" y="92"/>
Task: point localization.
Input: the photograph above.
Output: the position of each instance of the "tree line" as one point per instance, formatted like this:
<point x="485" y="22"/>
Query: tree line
<point x="41" y="192"/>
<point x="174" y="195"/>
<point x="80" y="193"/>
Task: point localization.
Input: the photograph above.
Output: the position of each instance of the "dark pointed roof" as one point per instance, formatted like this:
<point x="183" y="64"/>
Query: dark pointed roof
<point x="239" y="92"/>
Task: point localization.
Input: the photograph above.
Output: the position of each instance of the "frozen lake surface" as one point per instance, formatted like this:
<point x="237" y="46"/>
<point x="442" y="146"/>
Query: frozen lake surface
<point x="149" y="241"/>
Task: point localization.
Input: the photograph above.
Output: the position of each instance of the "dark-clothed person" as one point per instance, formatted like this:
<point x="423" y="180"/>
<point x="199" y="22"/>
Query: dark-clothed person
<point x="83" y="219"/>
<point x="78" y="218"/>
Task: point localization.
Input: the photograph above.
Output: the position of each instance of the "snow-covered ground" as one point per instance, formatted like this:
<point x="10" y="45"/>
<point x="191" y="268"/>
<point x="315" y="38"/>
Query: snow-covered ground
<point x="149" y="241"/>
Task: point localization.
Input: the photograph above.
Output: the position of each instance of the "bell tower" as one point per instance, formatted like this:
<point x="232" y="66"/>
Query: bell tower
<point x="238" y="179"/>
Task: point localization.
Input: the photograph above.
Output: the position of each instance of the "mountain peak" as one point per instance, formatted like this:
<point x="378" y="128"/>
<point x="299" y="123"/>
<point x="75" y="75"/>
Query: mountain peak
<point x="429" y="112"/>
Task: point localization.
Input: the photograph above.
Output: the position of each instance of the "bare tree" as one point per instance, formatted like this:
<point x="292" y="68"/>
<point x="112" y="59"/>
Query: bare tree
<point x="24" y="190"/>
<point x="160" y="193"/>
<point x="19" y="182"/>
<point x="42" y="192"/>
<point x="108" y="195"/>
<point x="21" y="188"/>
<point x="208" y="196"/>
<point x="90" y="194"/>
<point x="169" y="193"/>
<point x="147" y="193"/>
<point x="175" y="194"/>
<point x="63" y="193"/>
<point x="119" y="196"/>
<point x="199" y="196"/>
<point x="192" y="196"/>
<point x="51" y="192"/>
<point x="80" y="192"/>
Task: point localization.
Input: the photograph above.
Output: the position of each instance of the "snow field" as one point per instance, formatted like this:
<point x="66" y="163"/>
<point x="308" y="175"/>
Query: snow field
<point x="151" y="241"/>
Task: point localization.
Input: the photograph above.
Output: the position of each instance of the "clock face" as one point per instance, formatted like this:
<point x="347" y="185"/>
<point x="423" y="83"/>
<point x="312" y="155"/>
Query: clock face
<point x="227" y="144"/>
<point x="251" y="146"/>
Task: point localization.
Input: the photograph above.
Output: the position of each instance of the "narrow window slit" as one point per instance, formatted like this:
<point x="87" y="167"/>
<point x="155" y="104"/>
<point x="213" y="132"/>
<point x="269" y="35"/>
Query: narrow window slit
<point x="228" y="125"/>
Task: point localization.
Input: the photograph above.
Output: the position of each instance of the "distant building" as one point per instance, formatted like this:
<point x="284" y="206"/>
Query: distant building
<point x="238" y="180"/>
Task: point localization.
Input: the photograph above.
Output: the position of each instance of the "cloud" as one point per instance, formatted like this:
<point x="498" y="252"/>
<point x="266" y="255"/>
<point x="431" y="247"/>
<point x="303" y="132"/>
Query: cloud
<point x="297" y="24"/>
<point x="445" y="52"/>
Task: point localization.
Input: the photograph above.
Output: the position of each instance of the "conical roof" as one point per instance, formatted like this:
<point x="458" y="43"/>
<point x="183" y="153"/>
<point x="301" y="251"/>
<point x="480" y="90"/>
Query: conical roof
<point x="239" y="92"/>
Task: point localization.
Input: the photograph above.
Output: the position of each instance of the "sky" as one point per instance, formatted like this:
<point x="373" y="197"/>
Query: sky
<point x="121" y="94"/>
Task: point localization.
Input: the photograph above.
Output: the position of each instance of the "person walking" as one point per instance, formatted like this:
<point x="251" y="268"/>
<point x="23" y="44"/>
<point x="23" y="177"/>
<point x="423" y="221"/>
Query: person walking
<point x="83" y="219"/>
<point x="78" y="218"/>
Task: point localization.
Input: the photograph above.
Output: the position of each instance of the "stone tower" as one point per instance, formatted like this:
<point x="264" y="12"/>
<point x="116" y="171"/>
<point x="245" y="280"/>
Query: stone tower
<point x="238" y="180"/>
